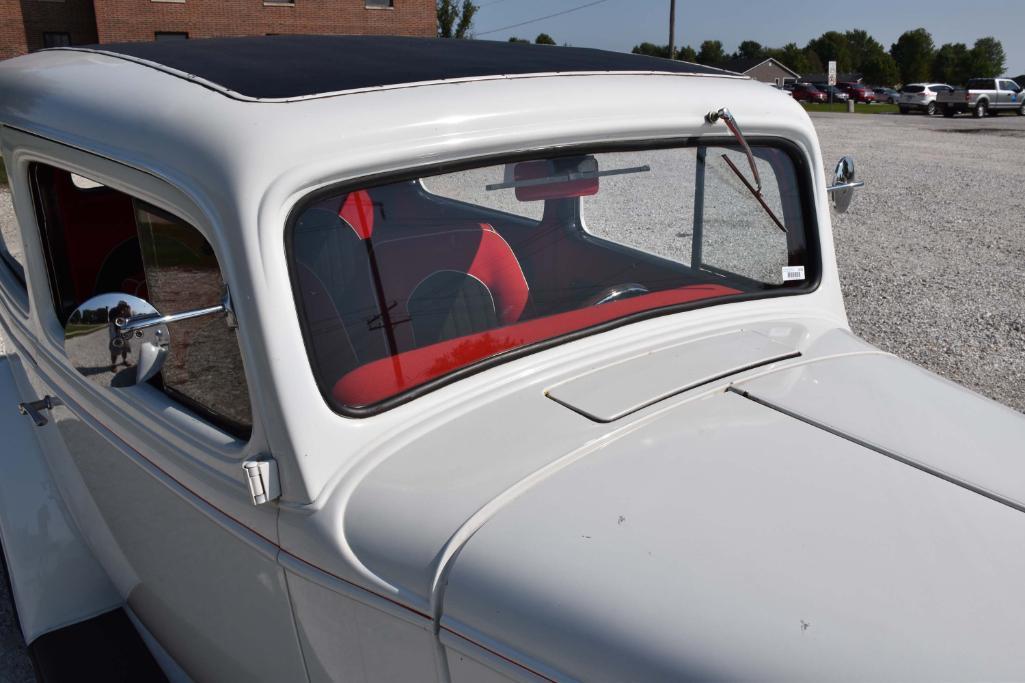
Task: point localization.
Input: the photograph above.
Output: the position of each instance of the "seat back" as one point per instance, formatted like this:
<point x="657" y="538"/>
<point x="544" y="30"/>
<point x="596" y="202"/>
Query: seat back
<point x="441" y="284"/>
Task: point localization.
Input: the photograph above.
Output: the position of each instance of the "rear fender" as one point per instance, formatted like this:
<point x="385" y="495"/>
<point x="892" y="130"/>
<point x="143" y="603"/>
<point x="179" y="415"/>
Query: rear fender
<point x="55" y="579"/>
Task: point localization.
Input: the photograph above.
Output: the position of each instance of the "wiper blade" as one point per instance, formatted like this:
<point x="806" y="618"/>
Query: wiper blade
<point x="757" y="193"/>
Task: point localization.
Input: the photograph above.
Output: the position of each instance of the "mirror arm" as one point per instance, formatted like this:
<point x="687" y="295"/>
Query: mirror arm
<point x="142" y="322"/>
<point x="844" y="186"/>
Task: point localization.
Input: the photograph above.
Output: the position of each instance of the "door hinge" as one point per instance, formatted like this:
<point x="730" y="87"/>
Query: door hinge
<point x="262" y="478"/>
<point x="36" y="408"/>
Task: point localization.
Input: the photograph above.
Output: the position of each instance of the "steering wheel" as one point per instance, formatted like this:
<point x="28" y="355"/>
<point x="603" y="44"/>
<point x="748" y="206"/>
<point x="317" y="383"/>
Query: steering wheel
<point x="623" y="290"/>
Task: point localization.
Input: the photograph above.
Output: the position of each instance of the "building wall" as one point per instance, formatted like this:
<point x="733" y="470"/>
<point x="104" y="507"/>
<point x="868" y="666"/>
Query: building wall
<point x="74" y="17"/>
<point x="12" y="29"/>
<point x="768" y="72"/>
<point x="138" y="20"/>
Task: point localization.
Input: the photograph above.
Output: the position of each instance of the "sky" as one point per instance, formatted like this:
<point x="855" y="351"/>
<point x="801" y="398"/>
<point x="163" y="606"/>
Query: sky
<point x="621" y="24"/>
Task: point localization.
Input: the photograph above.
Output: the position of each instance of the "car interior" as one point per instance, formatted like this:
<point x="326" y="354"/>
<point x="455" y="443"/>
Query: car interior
<point x="398" y="286"/>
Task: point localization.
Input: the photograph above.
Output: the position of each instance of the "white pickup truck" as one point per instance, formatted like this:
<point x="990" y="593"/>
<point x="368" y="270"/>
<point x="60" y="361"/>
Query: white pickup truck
<point x="982" y="96"/>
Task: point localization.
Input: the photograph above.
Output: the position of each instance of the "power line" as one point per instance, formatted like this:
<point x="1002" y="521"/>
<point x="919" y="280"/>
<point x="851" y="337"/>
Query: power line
<point x="533" y="21"/>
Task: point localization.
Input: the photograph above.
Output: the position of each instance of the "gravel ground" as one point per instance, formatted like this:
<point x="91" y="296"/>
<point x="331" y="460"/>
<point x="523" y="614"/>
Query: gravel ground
<point x="931" y="254"/>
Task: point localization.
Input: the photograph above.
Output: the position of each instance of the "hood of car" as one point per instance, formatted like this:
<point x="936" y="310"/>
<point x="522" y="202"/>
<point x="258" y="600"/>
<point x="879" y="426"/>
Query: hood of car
<point x="853" y="514"/>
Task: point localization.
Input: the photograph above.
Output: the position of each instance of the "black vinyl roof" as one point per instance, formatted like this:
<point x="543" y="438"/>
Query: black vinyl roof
<point x="281" y="67"/>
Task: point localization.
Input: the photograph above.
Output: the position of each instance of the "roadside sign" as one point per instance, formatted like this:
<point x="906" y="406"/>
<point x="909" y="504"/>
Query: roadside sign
<point x="832" y="73"/>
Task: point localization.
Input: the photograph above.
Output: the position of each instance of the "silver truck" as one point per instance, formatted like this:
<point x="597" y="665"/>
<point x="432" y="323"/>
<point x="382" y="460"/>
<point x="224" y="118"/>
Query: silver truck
<point x="982" y="96"/>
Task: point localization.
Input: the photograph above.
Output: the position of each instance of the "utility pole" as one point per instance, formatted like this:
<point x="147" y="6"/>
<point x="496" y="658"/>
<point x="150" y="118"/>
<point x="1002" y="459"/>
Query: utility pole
<point x="672" y="28"/>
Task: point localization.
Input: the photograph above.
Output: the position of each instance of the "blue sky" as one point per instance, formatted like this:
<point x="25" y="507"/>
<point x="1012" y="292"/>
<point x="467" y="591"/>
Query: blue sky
<point x="621" y="24"/>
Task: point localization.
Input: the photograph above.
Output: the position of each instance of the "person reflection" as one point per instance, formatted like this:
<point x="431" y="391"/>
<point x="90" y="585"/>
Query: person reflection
<point x="118" y="345"/>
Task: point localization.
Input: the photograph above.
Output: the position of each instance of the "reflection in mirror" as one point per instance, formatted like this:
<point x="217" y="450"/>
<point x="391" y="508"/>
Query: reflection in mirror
<point x="99" y="350"/>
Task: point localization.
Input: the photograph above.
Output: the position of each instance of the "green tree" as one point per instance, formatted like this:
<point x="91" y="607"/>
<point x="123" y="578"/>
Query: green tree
<point x="879" y="69"/>
<point x="711" y="53"/>
<point x="687" y="54"/>
<point x="750" y="49"/>
<point x="455" y="21"/>
<point x="988" y="58"/>
<point x="864" y="50"/>
<point x="913" y="53"/>
<point x="793" y="57"/>
<point x="815" y="65"/>
<point x="514" y="39"/>
<point x="651" y="50"/>
<point x="544" y="39"/>
<point x="952" y="64"/>
<point x="832" y="46"/>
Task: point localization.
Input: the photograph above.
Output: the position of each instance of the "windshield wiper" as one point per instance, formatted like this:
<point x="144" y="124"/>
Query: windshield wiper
<point x="731" y="123"/>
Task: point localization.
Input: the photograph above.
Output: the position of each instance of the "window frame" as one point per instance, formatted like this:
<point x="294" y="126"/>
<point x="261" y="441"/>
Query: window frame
<point x="812" y="248"/>
<point x="199" y="442"/>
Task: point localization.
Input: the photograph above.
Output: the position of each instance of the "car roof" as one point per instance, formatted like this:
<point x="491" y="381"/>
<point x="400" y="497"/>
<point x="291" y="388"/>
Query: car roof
<point x="295" y="67"/>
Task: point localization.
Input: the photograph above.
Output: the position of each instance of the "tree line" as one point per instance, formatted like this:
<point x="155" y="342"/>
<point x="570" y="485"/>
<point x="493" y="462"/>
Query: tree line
<point x="914" y="57"/>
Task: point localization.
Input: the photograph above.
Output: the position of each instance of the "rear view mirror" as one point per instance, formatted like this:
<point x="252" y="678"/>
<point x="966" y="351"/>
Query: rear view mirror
<point x="541" y="180"/>
<point x="841" y="192"/>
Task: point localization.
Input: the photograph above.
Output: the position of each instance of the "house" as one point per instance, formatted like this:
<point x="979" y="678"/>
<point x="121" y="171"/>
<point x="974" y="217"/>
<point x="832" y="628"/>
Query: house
<point x="27" y="25"/>
<point x="768" y="70"/>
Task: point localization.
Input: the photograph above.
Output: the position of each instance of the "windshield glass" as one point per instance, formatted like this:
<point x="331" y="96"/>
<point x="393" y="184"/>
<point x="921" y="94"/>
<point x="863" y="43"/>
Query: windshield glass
<point x="913" y="88"/>
<point x="405" y="283"/>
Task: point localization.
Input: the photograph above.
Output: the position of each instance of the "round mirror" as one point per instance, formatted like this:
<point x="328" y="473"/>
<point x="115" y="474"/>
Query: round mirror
<point x="97" y="347"/>
<point x="844" y="175"/>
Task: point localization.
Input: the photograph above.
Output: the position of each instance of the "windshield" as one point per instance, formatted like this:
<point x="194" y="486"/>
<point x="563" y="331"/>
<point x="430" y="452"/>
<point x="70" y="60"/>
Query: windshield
<point x="913" y="88"/>
<point x="403" y="284"/>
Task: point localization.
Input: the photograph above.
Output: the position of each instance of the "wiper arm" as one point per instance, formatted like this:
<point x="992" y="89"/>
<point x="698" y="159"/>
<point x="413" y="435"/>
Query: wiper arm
<point x="731" y="123"/>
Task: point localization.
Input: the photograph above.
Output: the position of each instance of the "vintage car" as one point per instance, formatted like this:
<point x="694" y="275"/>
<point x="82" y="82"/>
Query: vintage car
<point x="387" y="359"/>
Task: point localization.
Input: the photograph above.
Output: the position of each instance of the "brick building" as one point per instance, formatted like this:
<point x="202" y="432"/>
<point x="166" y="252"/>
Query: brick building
<point x="27" y="25"/>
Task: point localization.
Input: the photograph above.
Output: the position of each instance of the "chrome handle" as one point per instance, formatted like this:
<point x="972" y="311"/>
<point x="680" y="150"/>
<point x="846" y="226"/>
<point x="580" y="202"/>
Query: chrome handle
<point x="35" y="408"/>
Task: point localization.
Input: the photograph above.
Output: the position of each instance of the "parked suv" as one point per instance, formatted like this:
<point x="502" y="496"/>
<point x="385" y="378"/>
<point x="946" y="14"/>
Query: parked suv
<point x="857" y="92"/>
<point x="921" y="97"/>
<point x="983" y="96"/>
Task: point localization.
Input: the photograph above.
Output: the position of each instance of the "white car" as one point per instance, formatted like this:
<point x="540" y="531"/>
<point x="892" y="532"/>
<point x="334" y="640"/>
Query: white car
<point x="921" y="97"/>
<point x="388" y="359"/>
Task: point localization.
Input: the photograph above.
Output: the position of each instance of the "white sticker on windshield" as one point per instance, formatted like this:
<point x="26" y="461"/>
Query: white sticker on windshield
<point x="791" y="273"/>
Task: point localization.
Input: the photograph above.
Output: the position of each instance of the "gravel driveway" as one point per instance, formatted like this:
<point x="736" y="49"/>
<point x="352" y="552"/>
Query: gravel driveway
<point x="932" y="257"/>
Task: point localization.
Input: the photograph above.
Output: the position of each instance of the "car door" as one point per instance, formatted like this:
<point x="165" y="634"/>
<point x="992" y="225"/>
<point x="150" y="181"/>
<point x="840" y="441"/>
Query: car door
<point x="1008" y="94"/>
<point x="152" y="473"/>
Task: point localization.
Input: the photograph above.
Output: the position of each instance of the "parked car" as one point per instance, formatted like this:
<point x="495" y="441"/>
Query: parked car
<point x="806" y="92"/>
<point x="982" y="96"/>
<point x="921" y="97"/>
<point x="464" y="372"/>
<point x="832" y="92"/>
<point x="858" y="92"/>
<point x="886" y="95"/>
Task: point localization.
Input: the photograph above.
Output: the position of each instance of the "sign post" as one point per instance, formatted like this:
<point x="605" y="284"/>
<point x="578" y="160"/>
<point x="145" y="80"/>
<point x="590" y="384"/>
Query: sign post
<point x="832" y="80"/>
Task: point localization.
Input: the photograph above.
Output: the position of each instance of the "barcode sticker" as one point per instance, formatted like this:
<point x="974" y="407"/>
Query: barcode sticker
<point x="791" y="273"/>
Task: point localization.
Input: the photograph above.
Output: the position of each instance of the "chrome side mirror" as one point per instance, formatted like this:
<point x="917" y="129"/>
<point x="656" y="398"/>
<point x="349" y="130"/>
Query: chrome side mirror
<point x="841" y="192"/>
<point x="120" y="340"/>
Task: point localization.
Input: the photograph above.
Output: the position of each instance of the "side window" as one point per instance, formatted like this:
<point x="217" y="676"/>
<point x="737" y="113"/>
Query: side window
<point x="10" y="235"/>
<point x="98" y="240"/>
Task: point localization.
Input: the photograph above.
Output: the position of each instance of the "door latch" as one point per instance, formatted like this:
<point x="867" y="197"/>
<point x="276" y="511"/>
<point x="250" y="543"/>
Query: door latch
<point x="262" y="478"/>
<point x="36" y="408"/>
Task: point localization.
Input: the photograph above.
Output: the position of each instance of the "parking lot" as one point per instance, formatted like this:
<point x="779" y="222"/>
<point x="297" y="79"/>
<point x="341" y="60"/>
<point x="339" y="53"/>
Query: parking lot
<point x="932" y="257"/>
